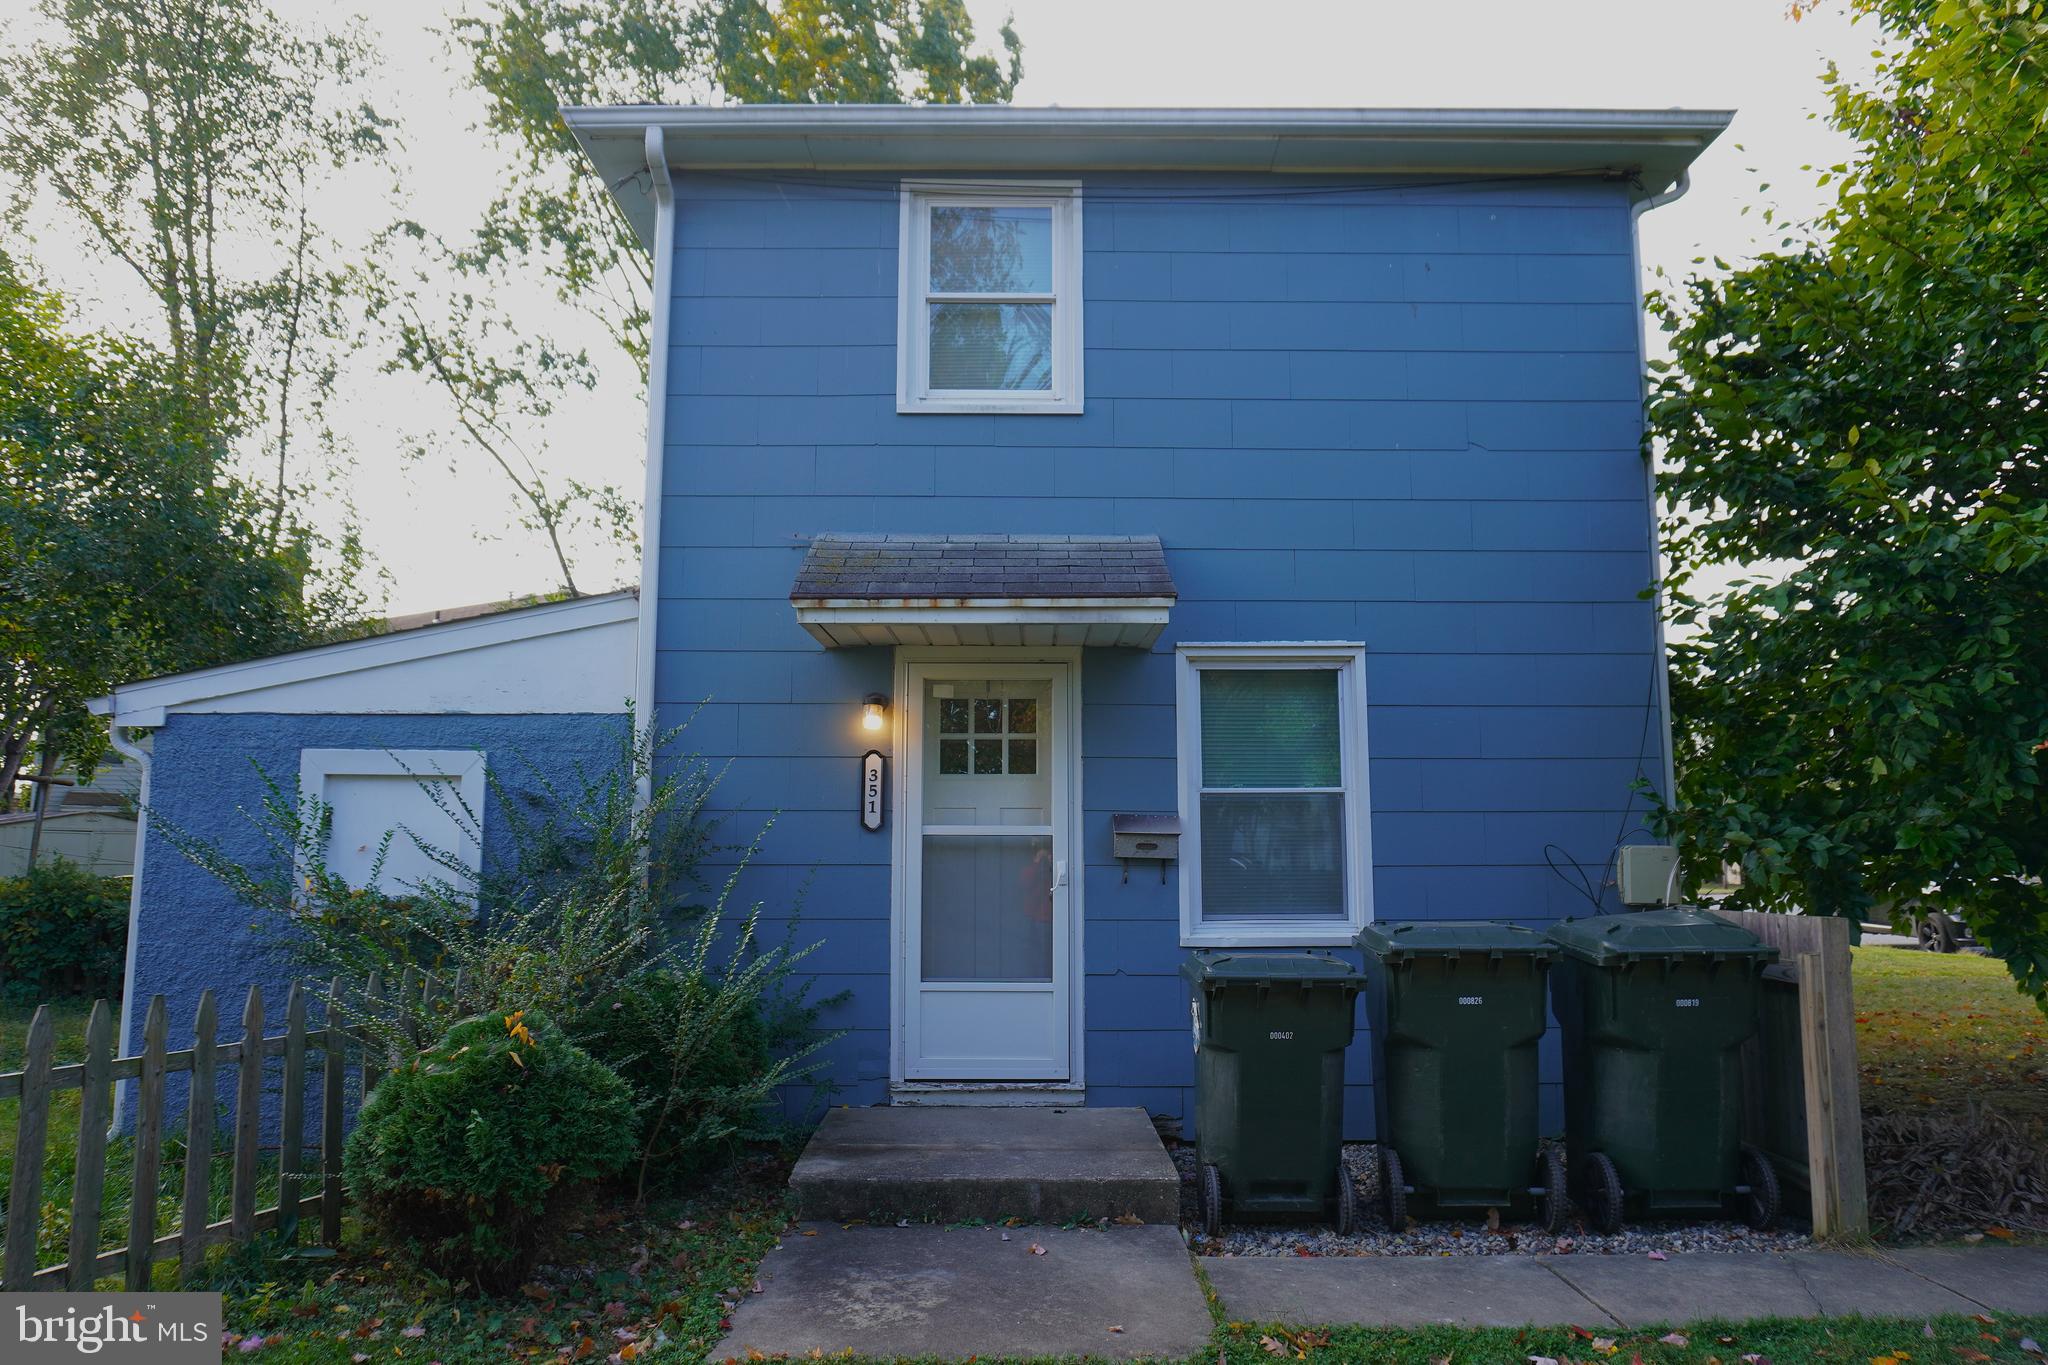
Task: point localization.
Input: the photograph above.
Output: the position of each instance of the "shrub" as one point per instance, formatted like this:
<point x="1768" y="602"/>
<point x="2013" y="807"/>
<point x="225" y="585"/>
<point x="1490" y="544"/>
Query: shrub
<point x="704" y="1051"/>
<point x="466" y="1153"/>
<point x="63" y="931"/>
<point x="586" y="912"/>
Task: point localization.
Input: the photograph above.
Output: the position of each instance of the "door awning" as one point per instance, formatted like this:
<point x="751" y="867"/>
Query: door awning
<point x="858" y="590"/>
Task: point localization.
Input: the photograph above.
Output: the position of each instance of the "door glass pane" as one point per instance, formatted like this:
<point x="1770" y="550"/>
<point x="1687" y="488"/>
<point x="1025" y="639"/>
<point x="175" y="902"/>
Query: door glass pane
<point x="1023" y="755"/>
<point x="952" y="756"/>
<point x="1270" y="727"/>
<point x="988" y="757"/>
<point x="987" y="913"/>
<point x="1272" y="855"/>
<point x="1005" y="346"/>
<point x="953" y="715"/>
<point x="991" y="249"/>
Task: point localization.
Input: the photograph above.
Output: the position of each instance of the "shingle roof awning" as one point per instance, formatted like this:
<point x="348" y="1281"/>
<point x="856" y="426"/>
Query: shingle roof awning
<point x="855" y="590"/>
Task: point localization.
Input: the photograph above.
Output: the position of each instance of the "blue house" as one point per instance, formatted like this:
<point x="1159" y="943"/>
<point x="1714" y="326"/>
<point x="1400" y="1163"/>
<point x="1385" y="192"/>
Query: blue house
<point x="1265" y="485"/>
<point x="438" y="726"/>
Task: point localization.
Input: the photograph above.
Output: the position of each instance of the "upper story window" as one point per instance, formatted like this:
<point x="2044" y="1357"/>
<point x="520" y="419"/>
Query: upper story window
<point x="990" y="295"/>
<point x="1274" y="818"/>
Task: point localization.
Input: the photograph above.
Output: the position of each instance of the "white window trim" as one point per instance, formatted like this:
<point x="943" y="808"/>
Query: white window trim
<point x="465" y="768"/>
<point x="913" y="257"/>
<point x="1348" y="661"/>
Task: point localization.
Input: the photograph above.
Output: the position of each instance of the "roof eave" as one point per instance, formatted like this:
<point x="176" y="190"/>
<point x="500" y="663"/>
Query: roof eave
<point x="1653" y="147"/>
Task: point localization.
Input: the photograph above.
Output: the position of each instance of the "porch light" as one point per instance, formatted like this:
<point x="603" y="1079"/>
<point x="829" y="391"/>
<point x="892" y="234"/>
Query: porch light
<point x="872" y="711"/>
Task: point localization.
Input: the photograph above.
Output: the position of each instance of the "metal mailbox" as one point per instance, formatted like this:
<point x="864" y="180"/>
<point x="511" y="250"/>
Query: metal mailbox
<point x="1149" y="838"/>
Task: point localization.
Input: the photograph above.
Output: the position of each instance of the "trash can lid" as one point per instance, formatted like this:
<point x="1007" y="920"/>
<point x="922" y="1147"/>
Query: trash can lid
<point x="1308" y="967"/>
<point x="1605" y="939"/>
<point x="1449" y="938"/>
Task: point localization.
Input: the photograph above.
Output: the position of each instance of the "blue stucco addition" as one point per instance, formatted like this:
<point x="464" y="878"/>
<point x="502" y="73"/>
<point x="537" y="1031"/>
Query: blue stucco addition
<point x="208" y="779"/>
<point x="1406" y="414"/>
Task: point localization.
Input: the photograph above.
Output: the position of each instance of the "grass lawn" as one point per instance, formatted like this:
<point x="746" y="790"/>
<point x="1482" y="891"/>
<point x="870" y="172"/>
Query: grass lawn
<point x="1936" y="1030"/>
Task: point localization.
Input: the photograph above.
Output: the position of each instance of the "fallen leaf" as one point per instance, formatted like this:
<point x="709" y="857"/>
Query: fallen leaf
<point x="1274" y="1348"/>
<point x="1542" y="1360"/>
<point x="2004" y="1234"/>
<point x="1116" y="1329"/>
<point x="1754" y="1359"/>
<point x="1675" y="1339"/>
<point x="2031" y="1347"/>
<point x="1659" y="1256"/>
<point x="810" y="1232"/>
<point x="1927" y="1330"/>
<point x="1971" y="1353"/>
<point x="414" y="1331"/>
<point x="1037" y="1250"/>
<point x="1606" y="1346"/>
<point x="1129" y="1220"/>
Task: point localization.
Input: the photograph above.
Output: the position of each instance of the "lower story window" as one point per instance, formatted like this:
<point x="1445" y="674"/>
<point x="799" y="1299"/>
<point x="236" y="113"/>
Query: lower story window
<point x="1273" y="794"/>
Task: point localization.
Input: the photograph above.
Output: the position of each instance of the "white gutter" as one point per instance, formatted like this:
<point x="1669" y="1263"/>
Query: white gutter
<point x="117" y="735"/>
<point x="1635" y="246"/>
<point x="662" y="190"/>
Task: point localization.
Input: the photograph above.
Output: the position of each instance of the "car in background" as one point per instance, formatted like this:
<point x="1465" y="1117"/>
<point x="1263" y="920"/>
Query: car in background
<point x="1936" y="931"/>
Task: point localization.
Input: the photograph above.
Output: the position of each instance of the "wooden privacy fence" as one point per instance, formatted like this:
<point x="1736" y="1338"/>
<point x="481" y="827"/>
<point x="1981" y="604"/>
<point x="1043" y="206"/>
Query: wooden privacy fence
<point x="1800" y="1085"/>
<point x="419" y="997"/>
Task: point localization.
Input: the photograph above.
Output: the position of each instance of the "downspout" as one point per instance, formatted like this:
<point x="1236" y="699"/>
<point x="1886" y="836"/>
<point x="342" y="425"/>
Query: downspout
<point x="662" y="187"/>
<point x="1635" y="248"/>
<point x="117" y="735"/>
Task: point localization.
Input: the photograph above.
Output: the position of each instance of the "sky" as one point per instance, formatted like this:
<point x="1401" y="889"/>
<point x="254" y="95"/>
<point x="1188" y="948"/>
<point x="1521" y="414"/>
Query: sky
<point x="441" y="527"/>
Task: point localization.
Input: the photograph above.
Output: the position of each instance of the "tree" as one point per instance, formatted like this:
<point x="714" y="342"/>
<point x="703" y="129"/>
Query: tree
<point x="442" y="322"/>
<point x="125" y="551"/>
<point x="183" y="139"/>
<point x="1865" y="406"/>
<point x="530" y="57"/>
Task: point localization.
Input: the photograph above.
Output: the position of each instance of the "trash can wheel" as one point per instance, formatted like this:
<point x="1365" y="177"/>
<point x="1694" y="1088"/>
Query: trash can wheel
<point x="1393" y="1190"/>
<point x="1347" y="1202"/>
<point x="1552" y="1203"/>
<point x="1601" y="1194"/>
<point x="1212" y="1202"/>
<point x="1760" y="1201"/>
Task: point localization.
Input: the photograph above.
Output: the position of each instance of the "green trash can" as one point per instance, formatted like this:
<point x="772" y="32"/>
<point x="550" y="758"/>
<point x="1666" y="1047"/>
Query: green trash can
<point x="1655" y="1007"/>
<point x="1457" y="1009"/>
<point x="1270" y="1033"/>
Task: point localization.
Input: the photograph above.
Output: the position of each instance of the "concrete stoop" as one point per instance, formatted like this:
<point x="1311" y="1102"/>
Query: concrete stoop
<point x="1046" y="1165"/>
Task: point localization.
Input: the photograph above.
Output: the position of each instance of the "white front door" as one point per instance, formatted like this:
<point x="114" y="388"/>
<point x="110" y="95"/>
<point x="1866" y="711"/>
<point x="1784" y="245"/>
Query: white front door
<point x="985" y="872"/>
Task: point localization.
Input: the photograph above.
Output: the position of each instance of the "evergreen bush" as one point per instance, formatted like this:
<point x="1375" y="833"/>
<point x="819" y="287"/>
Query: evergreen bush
<point x="464" y="1154"/>
<point x="63" y="931"/>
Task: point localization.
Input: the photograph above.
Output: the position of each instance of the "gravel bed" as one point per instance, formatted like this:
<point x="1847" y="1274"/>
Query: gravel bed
<point x="1457" y="1239"/>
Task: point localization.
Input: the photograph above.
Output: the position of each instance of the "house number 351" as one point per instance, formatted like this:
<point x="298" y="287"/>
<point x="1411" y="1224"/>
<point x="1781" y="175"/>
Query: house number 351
<point x="871" y="789"/>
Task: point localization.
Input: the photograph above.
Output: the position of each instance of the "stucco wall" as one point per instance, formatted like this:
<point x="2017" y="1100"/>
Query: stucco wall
<point x="1402" y="415"/>
<point x="207" y="779"/>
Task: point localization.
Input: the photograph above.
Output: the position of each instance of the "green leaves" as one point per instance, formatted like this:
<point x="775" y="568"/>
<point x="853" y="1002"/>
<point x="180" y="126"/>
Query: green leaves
<point x="1859" y="419"/>
<point x="531" y="57"/>
<point x="125" y="552"/>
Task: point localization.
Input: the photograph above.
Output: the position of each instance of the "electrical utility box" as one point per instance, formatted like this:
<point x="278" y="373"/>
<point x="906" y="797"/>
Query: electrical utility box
<point x="1645" y="874"/>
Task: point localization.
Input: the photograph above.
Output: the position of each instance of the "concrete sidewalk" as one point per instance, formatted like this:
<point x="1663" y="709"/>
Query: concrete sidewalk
<point x="1628" y="1291"/>
<point x="959" y="1292"/>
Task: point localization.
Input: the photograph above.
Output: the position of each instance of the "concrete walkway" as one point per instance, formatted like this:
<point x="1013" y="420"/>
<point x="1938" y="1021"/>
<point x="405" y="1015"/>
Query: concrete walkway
<point x="928" y="1290"/>
<point x="1628" y="1291"/>
<point x="986" y="1291"/>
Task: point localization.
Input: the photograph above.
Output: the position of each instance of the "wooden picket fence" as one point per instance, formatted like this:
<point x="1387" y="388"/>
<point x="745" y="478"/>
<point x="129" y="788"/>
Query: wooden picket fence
<point x="330" y="1047"/>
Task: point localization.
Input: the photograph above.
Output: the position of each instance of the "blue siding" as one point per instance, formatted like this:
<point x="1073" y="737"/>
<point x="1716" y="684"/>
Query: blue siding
<point x="207" y="778"/>
<point x="1405" y="415"/>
